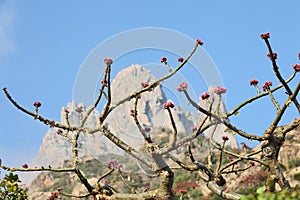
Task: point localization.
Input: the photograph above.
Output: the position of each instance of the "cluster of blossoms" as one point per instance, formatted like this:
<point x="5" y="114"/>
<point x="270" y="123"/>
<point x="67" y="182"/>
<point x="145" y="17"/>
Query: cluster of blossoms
<point x="168" y="104"/>
<point x="266" y="86"/>
<point x="163" y="59"/>
<point x="274" y="55"/>
<point x="297" y="66"/>
<point x="182" y="86"/>
<point x="220" y="90"/>
<point x="204" y="95"/>
<point x="112" y="164"/>
<point x="225" y="138"/>
<point x="265" y="35"/>
<point x="253" y="82"/>
<point x="108" y="61"/>
<point x="144" y="84"/>
<point x="37" y="104"/>
<point x="54" y="195"/>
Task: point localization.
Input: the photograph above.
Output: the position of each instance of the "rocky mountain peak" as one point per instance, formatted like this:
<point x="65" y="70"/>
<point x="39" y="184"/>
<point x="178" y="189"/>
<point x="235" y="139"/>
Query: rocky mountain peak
<point x="56" y="149"/>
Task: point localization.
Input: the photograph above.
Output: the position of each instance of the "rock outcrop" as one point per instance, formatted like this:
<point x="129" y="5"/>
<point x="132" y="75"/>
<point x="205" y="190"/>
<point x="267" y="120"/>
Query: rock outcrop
<point x="56" y="149"/>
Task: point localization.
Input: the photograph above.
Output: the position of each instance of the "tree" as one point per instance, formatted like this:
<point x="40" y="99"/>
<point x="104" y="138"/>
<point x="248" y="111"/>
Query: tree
<point x="212" y="172"/>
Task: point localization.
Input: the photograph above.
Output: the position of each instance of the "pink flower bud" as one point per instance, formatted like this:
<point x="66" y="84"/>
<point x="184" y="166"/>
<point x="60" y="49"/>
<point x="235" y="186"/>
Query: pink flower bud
<point x="253" y="82"/>
<point x="163" y="59"/>
<point x="225" y="138"/>
<point x="37" y="104"/>
<point x="266" y="86"/>
<point x="274" y="55"/>
<point x="59" y="189"/>
<point x="183" y="191"/>
<point x="168" y="104"/>
<point x="182" y="86"/>
<point x="265" y="35"/>
<point x="79" y="109"/>
<point x="200" y="42"/>
<point x="66" y="111"/>
<point x="244" y="146"/>
<point x="59" y="131"/>
<point x="147" y="129"/>
<point x="204" y="95"/>
<point x="296" y="67"/>
<point x="194" y="128"/>
<point x="180" y="59"/>
<point x="108" y="61"/>
<point x="252" y="163"/>
<point x="104" y="82"/>
<point x="145" y="84"/>
<point x="220" y="90"/>
<point x="25" y="165"/>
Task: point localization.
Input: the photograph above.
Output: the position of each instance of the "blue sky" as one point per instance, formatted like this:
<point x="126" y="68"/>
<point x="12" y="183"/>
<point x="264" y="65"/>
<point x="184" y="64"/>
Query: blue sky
<point x="42" y="45"/>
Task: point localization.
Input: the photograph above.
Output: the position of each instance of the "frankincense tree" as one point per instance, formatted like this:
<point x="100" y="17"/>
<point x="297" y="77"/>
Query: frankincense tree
<point x="159" y="156"/>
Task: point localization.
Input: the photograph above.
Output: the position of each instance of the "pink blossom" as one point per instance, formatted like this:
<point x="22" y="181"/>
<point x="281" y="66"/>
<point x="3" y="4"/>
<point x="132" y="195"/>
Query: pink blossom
<point x="66" y="111"/>
<point x="147" y="187"/>
<point x="180" y="59"/>
<point x="108" y="61"/>
<point x="183" y="191"/>
<point x="205" y="95"/>
<point x="168" y="104"/>
<point x="163" y="59"/>
<point x="244" y="146"/>
<point x="132" y="112"/>
<point x="266" y="86"/>
<point x="25" y="165"/>
<point x="145" y="84"/>
<point x="79" y="109"/>
<point x="186" y="144"/>
<point x="253" y="82"/>
<point x="296" y="67"/>
<point x="265" y="35"/>
<point x="220" y="90"/>
<point x="182" y="86"/>
<point x="200" y="42"/>
<point x="147" y="129"/>
<point x="105" y="181"/>
<point x="59" y="131"/>
<point x="274" y="55"/>
<point x="113" y="164"/>
<point x="194" y="128"/>
<point x="252" y="163"/>
<point x="104" y="82"/>
<point x="225" y="138"/>
<point x="37" y="104"/>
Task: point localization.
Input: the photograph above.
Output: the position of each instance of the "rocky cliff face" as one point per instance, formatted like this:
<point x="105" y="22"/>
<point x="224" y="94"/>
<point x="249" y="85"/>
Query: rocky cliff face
<point x="56" y="149"/>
